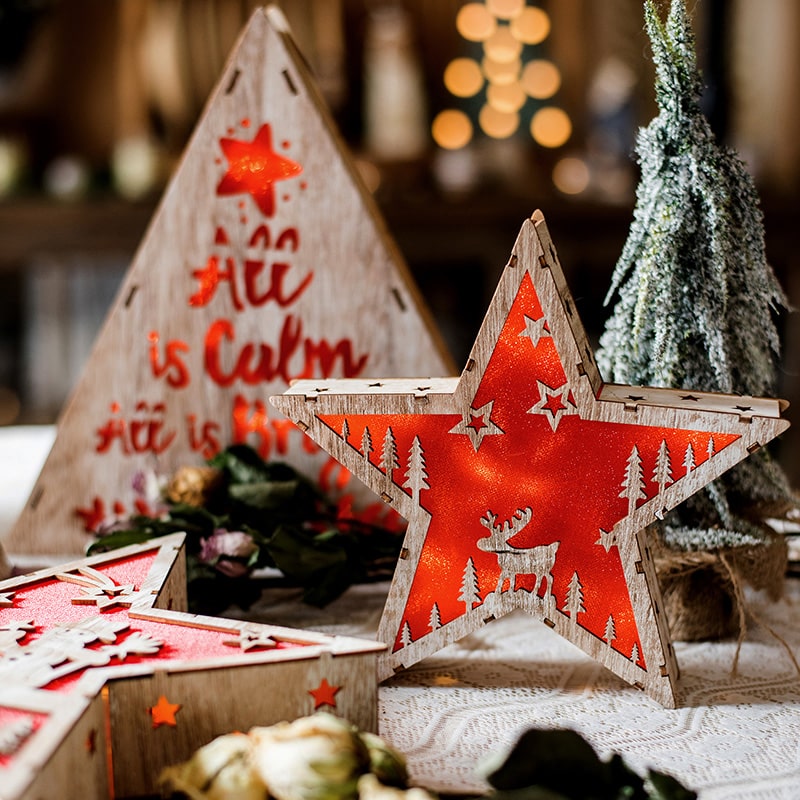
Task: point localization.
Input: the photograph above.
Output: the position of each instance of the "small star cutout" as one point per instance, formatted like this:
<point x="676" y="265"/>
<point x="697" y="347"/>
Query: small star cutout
<point x="324" y="694"/>
<point x="254" y="167"/>
<point x="553" y="404"/>
<point x="535" y="329"/>
<point x="6" y="599"/>
<point x="477" y="424"/>
<point x="163" y="712"/>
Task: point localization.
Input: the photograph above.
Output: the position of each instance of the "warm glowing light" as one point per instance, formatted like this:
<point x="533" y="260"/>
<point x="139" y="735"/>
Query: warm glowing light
<point x="475" y="23"/>
<point x="451" y="129"/>
<point x="502" y="46"/>
<point x="463" y="77"/>
<point x="531" y="26"/>
<point x="551" y="127"/>
<point x="501" y="72"/>
<point x="510" y="97"/>
<point x="541" y="79"/>
<point x="498" y="124"/>
<point x="505" y="9"/>
<point x="571" y="175"/>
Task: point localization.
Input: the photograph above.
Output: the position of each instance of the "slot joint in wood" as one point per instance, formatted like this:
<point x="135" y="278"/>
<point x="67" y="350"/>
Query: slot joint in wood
<point x="753" y="447"/>
<point x="289" y="82"/>
<point x="547" y="621"/>
<point x="36" y="497"/>
<point x="233" y="80"/>
<point x="543" y="263"/>
<point x="387" y="498"/>
<point x="301" y="426"/>
<point x="404" y="553"/>
<point x="470" y="365"/>
<point x="639" y="568"/>
<point x="131" y="295"/>
<point x="512" y="262"/>
<point x="398" y="298"/>
<point x="490" y="618"/>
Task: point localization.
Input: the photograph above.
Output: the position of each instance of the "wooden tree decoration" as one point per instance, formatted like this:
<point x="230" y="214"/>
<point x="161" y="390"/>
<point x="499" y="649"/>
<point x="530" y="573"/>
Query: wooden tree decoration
<point x="513" y="479"/>
<point x="266" y="261"/>
<point x="103" y="683"/>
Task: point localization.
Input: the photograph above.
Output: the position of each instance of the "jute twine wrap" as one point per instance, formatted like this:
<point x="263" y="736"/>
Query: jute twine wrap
<point x="703" y="592"/>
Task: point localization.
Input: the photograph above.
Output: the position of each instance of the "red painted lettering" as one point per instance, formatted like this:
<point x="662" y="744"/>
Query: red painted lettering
<point x="173" y="369"/>
<point x="262" y="363"/>
<point x="206" y="440"/>
<point x="252" y="269"/>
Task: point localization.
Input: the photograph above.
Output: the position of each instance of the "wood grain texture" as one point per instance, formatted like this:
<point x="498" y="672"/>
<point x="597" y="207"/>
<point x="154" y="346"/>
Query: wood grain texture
<point x="190" y="349"/>
<point x="67" y="754"/>
<point x="746" y="423"/>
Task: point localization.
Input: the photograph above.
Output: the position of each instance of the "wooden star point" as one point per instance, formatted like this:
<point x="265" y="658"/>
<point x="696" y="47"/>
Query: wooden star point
<point x="548" y="513"/>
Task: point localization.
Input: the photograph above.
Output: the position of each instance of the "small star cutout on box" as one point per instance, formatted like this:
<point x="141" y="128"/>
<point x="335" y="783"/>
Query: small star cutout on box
<point x="324" y="694"/>
<point x="163" y="712"/>
<point x="527" y="482"/>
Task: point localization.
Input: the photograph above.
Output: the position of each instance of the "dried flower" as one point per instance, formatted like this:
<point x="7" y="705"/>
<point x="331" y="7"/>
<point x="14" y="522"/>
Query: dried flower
<point x="314" y="758"/>
<point x="193" y="486"/>
<point x="385" y="762"/>
<point x="370" y="788"/>
<point x="222" y="770"/>
<point x="228" y="552"/>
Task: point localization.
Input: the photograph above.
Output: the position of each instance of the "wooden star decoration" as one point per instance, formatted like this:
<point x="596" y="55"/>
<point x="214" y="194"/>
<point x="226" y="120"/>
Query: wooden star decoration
<point x="528" y="481"/>
<point x="85" y="688"/>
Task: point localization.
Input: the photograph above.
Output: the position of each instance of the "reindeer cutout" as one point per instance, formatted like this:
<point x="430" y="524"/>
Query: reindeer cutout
<point x="537" y="561"/>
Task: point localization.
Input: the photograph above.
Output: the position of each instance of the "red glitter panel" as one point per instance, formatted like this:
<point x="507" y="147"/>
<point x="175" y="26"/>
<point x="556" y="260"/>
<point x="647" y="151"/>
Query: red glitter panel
<point x="577" y="476"/>
<point x="49" y="603"/>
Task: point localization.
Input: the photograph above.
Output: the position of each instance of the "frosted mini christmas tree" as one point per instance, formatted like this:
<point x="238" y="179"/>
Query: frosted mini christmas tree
<point x="696" y="297"/>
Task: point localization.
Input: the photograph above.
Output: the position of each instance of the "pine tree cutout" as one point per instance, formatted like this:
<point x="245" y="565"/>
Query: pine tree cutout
<point x="574" y="602"/>
<point x="469" y="586"/>
<point x="696" y="299"/>
<point x="435" y="621"/>
<point x="416" y="474"/>
<point x="405" y="635"/>
<point x="635" y="654"/>
<point x="611" y="631"/>
<point x="633" y="485"/>
<point x="662" y="474"/>
<point x="366" y="444"/>
<point x="688" y="459"/>
<point x="345" y="430"/>
<point x="389" y="460"/>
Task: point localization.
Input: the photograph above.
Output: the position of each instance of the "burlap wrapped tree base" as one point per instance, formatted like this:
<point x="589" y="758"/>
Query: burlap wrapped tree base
<point x="703" y="591"/>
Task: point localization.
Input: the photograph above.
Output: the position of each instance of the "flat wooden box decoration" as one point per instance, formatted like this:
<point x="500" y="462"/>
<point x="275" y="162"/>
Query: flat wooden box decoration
<point x="527" y="482"/>
<point x="266" y="261"/>
<point x="103" y="682"/>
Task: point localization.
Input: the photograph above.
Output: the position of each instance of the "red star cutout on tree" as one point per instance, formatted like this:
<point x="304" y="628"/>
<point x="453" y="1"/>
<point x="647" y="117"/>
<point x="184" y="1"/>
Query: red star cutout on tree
<point x="254" y="167"/>
<point x="532" y="517"/>
<point x="324" y="694"/>
<point x="163" y="712"/>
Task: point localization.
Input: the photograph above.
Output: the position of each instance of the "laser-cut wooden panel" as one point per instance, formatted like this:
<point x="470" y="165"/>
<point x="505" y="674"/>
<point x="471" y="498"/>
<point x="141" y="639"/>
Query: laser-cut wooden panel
<point x="265" y="262"/>
<point x="172" y="680"/>
<point x="527" y="482"/>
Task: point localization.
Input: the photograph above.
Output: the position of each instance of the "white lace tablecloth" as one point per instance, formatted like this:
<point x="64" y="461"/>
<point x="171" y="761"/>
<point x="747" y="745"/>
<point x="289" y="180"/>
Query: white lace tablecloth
<point x="735" y="736"/>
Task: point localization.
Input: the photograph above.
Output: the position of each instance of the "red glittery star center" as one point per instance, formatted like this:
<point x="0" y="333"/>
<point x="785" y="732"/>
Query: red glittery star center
<point x="254" y="167"/>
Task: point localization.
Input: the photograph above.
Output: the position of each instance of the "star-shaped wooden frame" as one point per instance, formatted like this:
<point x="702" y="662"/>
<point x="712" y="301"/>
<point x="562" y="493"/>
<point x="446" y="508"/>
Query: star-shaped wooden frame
<point x="530" y="387"/>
